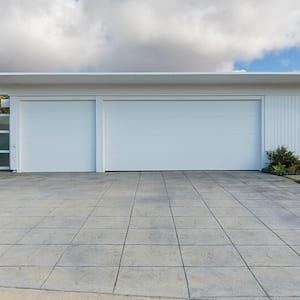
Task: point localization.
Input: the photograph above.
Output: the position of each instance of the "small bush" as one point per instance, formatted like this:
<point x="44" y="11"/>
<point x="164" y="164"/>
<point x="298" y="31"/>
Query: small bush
<point x="282" y="156"/>
<point x="279" y="170"/>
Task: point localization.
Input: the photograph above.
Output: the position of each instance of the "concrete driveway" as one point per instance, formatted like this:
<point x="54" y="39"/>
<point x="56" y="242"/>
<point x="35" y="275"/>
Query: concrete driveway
<point x="158" y="234"/>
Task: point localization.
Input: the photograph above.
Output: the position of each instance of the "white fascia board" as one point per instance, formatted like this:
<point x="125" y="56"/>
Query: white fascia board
<point x="192" y="78"/>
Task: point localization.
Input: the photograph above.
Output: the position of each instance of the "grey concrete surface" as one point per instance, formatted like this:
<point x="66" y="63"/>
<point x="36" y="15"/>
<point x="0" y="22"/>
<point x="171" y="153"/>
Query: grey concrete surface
<point x="192" y="234"/>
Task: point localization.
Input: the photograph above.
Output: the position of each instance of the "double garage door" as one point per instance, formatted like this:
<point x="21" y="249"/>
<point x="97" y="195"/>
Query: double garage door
<point x="60" y="136"/>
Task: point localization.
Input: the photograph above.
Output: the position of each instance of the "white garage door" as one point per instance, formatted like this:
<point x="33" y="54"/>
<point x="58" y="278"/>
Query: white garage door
<point x="182" y="135"/>
<point x="57" y="136"/>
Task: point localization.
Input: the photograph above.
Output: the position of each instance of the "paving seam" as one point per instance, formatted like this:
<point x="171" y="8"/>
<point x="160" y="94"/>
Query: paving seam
<point x="123" y="248"/>
<point x="177" y="237"/>
<point x="234" y="246"/>
<point x="258" y="218"/>
<point x="29" y="229"/>
<point x="100" y="198"/>
<point x="101" y="295"/>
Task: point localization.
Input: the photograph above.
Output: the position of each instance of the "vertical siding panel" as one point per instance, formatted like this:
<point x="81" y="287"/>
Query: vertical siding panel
<point x="282" y="122"/>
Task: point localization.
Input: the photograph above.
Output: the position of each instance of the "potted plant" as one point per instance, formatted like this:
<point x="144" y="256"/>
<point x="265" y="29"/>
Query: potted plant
<point x="293" y="170"/>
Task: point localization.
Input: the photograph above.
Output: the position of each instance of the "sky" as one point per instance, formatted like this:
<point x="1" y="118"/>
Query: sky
<point x="149" y="35"/>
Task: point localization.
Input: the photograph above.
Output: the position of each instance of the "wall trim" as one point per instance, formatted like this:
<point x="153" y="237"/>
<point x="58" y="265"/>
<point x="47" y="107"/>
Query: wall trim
<point x="182" y="97"/>
<point x="99" y="135"/>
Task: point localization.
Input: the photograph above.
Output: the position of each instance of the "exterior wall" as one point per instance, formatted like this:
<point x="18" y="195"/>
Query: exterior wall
<point x="282" y="122"/>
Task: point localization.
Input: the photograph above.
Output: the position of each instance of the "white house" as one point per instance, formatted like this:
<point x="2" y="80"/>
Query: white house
<point x="147" y="121"/>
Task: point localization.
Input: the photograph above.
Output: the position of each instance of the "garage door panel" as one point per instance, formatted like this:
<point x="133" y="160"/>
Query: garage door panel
<point x="186" y="135"/>
<point x="58" y="136"/>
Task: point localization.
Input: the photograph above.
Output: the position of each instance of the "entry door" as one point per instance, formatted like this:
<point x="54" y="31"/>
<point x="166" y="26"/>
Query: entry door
<point x="57" y="136"/>
<point x="182" y="135"/>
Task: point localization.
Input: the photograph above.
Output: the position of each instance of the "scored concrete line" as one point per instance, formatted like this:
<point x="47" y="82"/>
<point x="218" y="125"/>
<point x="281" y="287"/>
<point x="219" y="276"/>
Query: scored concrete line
<point x="50" y="273"/>
<point x="235" y="247"/>
<point x="126" y="235"/>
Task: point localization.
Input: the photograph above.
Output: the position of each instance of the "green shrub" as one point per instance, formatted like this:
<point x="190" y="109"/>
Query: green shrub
<point x="282" y="156"/>
<point x="279" y="170"/>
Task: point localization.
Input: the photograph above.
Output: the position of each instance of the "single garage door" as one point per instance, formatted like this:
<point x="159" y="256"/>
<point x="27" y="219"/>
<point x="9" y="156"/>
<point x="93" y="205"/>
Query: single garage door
<point x="57" y="136"/>
<point x="182" y="135"/>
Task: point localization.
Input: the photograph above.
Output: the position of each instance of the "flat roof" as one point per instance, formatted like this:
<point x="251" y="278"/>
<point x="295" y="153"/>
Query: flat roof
<point x="148" y="78"/>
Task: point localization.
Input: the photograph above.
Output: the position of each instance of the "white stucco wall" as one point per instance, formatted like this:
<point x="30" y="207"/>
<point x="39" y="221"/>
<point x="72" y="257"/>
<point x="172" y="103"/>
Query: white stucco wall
<point x="280" y="103"/>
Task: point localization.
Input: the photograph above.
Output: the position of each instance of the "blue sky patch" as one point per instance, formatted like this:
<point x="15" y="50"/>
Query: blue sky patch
<point x="287" y="60"/>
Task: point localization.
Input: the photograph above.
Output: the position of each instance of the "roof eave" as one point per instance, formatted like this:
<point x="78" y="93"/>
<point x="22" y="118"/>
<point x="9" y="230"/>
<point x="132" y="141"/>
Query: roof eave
<point x="147" y="78"/>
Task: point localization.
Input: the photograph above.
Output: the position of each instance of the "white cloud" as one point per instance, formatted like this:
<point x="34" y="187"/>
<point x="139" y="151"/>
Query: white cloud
<point x="143" y="35"/>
